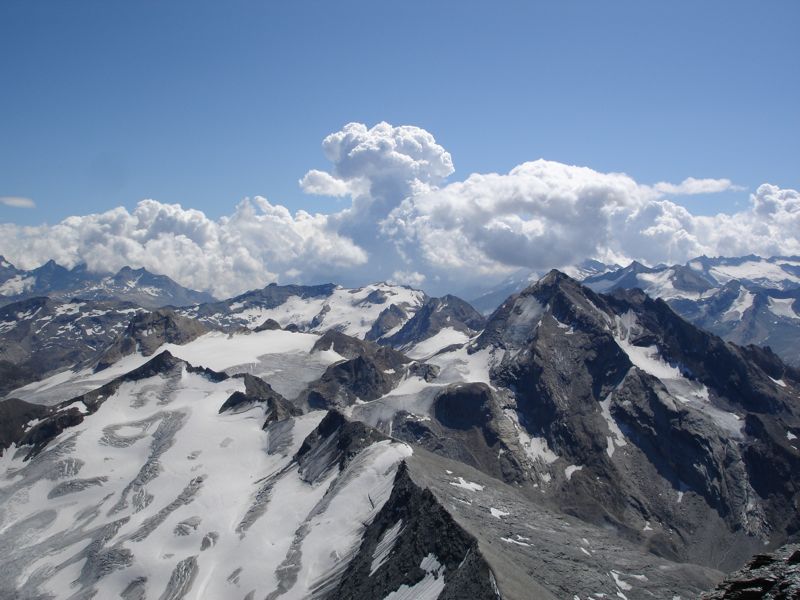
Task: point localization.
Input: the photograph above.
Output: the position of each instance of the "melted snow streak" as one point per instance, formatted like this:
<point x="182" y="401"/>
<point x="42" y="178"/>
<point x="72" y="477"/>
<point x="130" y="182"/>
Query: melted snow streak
<point x="385" y="546"/>
<point x="171" y="500"/>
<point x="428" y="588"/>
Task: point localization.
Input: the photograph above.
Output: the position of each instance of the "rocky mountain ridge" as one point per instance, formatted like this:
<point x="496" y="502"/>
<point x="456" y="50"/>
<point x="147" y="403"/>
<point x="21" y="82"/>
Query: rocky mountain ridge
<point x="137" y="286"/>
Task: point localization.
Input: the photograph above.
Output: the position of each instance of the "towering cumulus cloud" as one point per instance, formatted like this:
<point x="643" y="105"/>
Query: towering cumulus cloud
<point x="406" y="223"/>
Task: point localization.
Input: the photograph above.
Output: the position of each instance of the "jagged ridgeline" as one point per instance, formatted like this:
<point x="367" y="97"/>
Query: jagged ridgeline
<point x="332" y="443"/>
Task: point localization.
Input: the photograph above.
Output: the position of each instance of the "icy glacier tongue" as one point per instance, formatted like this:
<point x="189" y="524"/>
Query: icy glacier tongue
<point x="154" y="493"/>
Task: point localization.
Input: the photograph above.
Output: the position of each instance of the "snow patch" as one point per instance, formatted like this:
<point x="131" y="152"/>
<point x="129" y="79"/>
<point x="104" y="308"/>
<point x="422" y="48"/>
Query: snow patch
<point x="779" y="382"/>
<point x="738" y="307"/>
<point x="535" y="448"/>
<point x="445" y="337"/>
<point x="513" y="541"/>
<point x="571" y="469"/>
<point x="782" y="307"/>
<point x="467" y="485"/>
<point x="428" y="588"/>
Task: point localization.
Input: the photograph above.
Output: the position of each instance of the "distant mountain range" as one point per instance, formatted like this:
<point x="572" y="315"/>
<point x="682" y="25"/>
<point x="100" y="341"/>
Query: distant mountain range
<point x="138" y="286"/>
<point x="746" y="300"/>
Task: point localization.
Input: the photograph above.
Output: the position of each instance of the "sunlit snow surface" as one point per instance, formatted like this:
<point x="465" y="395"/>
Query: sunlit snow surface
<point x="282" y="358"/>
<point x="351" y="311"/>
<point x="158" y="493"/>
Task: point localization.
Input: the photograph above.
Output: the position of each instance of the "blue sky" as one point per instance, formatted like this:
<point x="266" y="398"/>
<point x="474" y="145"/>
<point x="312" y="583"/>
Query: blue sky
<point x="202" y="104"/>
<point x="198" y="103"/>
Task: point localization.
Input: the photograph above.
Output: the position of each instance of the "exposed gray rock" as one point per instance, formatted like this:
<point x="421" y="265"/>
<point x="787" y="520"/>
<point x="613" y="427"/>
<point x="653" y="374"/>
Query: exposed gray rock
<point x="437" y="314"/>
<point x="369" y="372"/>
<point x="625" y="449"/>
<point x="774" y="576"/>
<point x="259" y="392"/>
<point x="149" y="331"/>
<point x="390" y="318"/>
<point x="425" y="529"/>
<point x="333" y="443"/>
<point x="40" y="336"/>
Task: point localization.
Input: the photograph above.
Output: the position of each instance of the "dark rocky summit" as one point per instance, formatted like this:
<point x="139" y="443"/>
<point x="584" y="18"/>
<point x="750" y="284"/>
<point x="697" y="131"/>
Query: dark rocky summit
<point x="420" y="527"/>
<point x="369" y="372"/>
<point x="437" y="314"/>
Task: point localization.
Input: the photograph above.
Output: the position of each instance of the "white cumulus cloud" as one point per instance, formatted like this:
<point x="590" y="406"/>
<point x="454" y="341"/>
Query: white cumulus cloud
<point x="258" y="243"/>
<point x="406" y="223"/>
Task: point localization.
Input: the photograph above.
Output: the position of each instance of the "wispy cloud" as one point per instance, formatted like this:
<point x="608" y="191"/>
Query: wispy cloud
<point x="17" y="202"/>
<point x="692" y="186"/>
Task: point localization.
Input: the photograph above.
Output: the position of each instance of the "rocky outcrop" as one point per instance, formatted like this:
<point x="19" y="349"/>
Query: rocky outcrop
<point x="774" y="576"/>
<point x="413" y="541"/>
<point x="467" y="424"/>
<point x="333" y="443"/>
<point x="390" y="318"/>
<point x="434" y="316"/>
<point x="259" y="393"/>
<point x="15" y="415"/>
<point x="369" y="372"/>
<point x="147" y="332"/>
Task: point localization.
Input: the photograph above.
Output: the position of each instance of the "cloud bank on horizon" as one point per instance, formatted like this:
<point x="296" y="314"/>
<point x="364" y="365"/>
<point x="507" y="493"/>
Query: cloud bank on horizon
<point x="405" y="223"/>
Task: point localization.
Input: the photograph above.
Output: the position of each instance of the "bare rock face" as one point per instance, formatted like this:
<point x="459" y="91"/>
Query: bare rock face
<point x="414" y="541"/>
<point x="390" y="318"/>
<point x="774" y="576"/>
<point x="259" y="393"/>
<point x="369" y="372"/>
<point x="334" y="442"/>
<point x="149" y="331"/>
<point x="434" y="316"/>
<point x="40" y="336"/>
<point x="467" y="425"/>
<point x="648" y="420"/>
